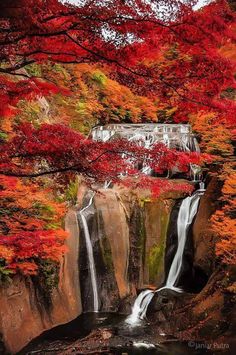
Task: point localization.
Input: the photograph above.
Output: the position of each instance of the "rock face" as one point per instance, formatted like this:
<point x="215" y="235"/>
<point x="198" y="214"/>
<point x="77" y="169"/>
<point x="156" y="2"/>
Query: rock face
<point x="128" y="232"/>
<point x="23" y="314"/>
<point x="208" y="315"/>
<point x="110" y="209"/>
<point x="203" y="236"/>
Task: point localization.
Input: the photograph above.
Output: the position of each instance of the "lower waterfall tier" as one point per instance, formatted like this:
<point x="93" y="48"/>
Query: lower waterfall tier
<point x="130" y="235"/>
<point x="128" y="232"/>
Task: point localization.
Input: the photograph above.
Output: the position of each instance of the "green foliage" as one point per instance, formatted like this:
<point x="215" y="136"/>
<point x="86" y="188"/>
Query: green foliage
<point x="5" y="274"/>
<point x="71" y="191"/>
<point x="3" y="136"/>
<point x="46" y="212"/>
<point x="34" y="69"/>
<point x="53" y="226"/>
<point x="80" y="107"/>
<point x="29" y="111"/>
<point x="99" y="77"/>
<point x="48" y="272"/>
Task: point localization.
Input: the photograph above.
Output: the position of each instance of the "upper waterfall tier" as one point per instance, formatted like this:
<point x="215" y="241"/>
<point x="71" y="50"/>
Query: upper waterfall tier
<point x="178" y="136"/>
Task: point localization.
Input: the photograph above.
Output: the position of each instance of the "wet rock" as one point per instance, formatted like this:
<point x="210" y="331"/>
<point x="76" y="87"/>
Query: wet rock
<point x="128" y="231"/>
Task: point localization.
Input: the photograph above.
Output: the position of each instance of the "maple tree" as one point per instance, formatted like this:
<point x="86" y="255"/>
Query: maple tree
<point x="171" y="54"/>
<point x="51" y="149"/>
<point x="30" y="222"/>
<point x="216" y="136"/>
<point x="95" y="98"/>
<point x="171" y="49"/>
<point x="30" y="226"/>
<point x="223" y="220"/>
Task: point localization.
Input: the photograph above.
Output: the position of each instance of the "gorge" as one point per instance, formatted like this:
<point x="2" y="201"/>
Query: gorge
<point x="121" y="241"/>
<point x="117" y="177"/>
<point x="121" y="227"/>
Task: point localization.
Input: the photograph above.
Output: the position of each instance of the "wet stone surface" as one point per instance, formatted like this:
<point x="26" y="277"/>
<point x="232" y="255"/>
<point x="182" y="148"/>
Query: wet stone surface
<point x="107" y="333"/>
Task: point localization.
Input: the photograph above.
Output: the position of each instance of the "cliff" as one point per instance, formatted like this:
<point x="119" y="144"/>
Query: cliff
<point x="129" y="233"/>
<point x="25" y="312"/>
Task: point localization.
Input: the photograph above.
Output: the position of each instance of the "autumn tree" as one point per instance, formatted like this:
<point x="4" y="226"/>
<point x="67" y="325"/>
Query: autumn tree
<point x="30" y="227"/>
<point x="223" y="221"/>
<point x="169" y="49"/>
<point x="94" y="99"/>
<point x="170" y="53"/>
<point x="54" y="148"/>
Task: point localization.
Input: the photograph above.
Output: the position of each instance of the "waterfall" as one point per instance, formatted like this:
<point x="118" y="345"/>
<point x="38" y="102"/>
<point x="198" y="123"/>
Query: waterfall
<point x="187" y="212"/>
<point x="140" y="306"/>
<point x="89" y="248"/>
<point x="196" y="170"/>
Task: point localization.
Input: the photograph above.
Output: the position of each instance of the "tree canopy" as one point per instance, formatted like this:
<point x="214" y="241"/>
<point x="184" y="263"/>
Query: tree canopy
<point x="102" y="61"/>
<point x="158" y="46"/>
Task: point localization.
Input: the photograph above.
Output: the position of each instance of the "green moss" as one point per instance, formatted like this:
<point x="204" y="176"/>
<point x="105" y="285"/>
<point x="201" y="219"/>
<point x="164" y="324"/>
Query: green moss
<point x="105" y="245"/>
<point x="46" y="281"/>
<point x="157" y="252"/>
<point x="141" y="233"/>
<point x="106" y="252"/>
<point x="154" y="260"/>
<point x="142" y="201"/>
<point x="5" y="274"/>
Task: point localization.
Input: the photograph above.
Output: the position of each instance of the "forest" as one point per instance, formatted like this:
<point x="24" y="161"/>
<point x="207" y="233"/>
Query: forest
<point x="92" y="226"/>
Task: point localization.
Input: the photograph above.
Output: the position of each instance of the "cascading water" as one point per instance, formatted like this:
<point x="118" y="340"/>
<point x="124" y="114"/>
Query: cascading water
<point x="89" y="248"/>
<point x="140" y="307"/>
<point x="187" y="212"/>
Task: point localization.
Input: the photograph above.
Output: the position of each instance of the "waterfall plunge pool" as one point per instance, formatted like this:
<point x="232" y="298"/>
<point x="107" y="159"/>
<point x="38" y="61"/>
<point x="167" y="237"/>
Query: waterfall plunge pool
<point x="107" y="333"/>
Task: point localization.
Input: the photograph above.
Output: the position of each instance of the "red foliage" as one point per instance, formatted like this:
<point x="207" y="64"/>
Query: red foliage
<point x="13" y="91"/>
<point x="30" y="226"/>
<point x="177" y="57"/>
<point x="56" y="148"/>
<point x="158" y="186"/>
<point x="28" y="247"/>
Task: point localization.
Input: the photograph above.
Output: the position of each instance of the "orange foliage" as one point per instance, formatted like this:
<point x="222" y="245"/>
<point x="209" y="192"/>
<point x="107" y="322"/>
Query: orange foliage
<point x="223" y="221"/>
<point x="30" y="226"/>
<point x="215" y="135"/>
<point x="95" y="99"/>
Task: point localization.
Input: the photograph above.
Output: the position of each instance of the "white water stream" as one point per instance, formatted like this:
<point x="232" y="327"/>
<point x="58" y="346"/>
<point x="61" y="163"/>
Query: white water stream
<point x="89" y="248"/>
<point x="187" y="212"/>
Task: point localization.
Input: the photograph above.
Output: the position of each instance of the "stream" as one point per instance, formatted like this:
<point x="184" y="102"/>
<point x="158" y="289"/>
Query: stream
<point x="69" y="338"/>
<point x="114" y="333"/>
